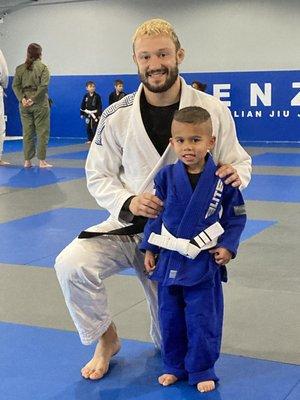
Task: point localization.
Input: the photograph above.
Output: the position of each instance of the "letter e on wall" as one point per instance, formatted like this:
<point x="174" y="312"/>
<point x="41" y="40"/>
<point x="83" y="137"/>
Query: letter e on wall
<point x="218" y="92"/>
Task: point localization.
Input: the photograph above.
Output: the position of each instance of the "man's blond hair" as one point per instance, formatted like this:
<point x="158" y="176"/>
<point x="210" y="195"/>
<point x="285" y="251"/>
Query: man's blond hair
<point x="155" y="27"/>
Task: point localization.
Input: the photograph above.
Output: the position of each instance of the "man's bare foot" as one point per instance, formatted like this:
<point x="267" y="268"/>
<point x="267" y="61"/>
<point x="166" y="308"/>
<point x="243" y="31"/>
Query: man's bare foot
<point x="2" y="163"/>
<point x="27" y="164"/>
<point x="107" y="346"/>
<point x="167" y="379"/>
<point x="44" y="164"/>
<point x="206" y="386"/>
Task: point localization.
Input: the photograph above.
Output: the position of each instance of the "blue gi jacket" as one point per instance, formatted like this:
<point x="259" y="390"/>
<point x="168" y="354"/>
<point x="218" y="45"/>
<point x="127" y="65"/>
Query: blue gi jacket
<point x="185" y="214"/>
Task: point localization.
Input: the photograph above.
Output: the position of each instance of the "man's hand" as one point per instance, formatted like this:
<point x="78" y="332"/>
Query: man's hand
<point x="146" y="204"/>
<point x="149" y="261"/>
<point x="222" y="255"/>
<point x="230" y="173"/>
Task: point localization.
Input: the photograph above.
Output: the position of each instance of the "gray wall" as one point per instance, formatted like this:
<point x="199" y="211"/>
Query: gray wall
<point x="94" y="37"/>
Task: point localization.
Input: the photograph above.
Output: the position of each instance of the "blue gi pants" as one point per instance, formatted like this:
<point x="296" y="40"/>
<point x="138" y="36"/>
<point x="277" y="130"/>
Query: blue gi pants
<point x="191" y="319"/>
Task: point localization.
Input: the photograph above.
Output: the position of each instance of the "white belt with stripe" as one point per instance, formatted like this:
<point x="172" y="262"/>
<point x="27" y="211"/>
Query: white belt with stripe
<point x="205" y="240"/>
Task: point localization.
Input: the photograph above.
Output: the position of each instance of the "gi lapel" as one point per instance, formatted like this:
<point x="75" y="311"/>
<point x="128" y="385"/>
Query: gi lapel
<point x="169" y="157"/>
<point x="199" y="201"/>
<point x="195" y="207"/>
<point x="138" y="131"/>
<point x="143" y="142"/>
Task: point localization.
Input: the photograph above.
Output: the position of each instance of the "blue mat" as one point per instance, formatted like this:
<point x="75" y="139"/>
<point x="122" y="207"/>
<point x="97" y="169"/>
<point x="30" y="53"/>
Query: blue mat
<point x="42" y="236"/>
<point x="249" y="143"/>
<point x="36" y="177"/>
<point x="51" y="231"/>
<point x="76" y="155"/>
<point x="282" y="188"/>
<point x="11" y="146"/>
<point x="277" y="159"/>
<point x="295" y="393"/>
<point x="254" y="227"/>
<point x="29" y="370"/>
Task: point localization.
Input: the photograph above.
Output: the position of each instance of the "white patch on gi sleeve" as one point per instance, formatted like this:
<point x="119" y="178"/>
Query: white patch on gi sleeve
<point x="172" y="274"/>
<point x="239" y="210"/>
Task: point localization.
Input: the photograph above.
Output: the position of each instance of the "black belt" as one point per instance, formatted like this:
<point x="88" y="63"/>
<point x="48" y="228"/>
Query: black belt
<point x="137" y="227"/>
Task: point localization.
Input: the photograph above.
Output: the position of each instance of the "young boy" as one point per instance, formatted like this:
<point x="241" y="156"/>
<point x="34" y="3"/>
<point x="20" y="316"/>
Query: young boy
<point x="118" y="93"/>
<point x="194" y="236"/>
<point x="91" y="109"/>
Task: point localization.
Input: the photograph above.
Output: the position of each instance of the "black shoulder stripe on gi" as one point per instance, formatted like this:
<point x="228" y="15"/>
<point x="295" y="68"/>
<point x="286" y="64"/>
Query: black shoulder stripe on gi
<point x="123" y="103"/>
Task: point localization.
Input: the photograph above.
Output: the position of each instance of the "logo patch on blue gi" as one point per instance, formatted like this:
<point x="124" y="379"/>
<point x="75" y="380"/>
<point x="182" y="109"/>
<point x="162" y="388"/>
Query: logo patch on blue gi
<point x="216" y="199"/>
<point x="172" y="274"/>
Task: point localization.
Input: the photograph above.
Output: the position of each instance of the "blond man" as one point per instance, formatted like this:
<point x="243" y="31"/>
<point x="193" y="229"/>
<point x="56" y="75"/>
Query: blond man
<point x="131" y="145"/>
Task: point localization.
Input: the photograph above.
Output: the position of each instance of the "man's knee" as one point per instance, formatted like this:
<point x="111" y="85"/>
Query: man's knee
<point x="67" y="264"/>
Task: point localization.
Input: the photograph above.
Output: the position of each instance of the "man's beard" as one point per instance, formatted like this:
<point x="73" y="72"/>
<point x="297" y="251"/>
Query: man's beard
<point x="171" y="76"/>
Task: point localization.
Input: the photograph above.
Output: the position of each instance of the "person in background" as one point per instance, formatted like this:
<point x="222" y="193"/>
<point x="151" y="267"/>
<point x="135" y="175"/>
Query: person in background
<point x="199" y="86"/>
<point x="30" y="86"/>
<point x="91" y="109"/>
<point x="118" y="93"/>
<point x="3" y="85"/>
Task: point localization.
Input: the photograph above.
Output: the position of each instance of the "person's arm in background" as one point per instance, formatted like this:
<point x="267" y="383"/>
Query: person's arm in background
<point x="43" y="86"/>
<point x="82" y="107"/>
<point x="99" y="105"/>
<point x="17" y="86"/>
<point x="3" y="71"/>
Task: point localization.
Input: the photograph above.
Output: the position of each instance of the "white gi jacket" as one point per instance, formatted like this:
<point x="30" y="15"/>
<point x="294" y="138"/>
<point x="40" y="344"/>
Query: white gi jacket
<point x="122" y="160"/>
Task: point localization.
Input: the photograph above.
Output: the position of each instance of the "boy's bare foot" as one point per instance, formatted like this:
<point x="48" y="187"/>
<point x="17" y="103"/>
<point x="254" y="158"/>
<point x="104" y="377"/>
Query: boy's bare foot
<point x="167" y="379"/>
<point x="107" y="346"/>
<point x="206" y="386"/>
<point x="44" y="164"/>
<point x="27" y="164"/>
<point x="2" y="163"/>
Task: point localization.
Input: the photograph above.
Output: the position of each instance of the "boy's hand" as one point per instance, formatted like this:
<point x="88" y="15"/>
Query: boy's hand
<point x="227" y="171"/>
<point x="149" y="261"/>
<point x="222" y="255"/>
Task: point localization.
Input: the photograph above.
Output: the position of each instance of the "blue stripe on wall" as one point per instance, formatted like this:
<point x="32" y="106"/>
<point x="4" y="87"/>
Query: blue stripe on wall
<point x="67" y="93"/>
<point x="254" y="123"/>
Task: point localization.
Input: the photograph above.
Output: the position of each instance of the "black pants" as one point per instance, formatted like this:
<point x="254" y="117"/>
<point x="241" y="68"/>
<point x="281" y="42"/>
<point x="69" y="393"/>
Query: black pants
<point x="91" y="129"/>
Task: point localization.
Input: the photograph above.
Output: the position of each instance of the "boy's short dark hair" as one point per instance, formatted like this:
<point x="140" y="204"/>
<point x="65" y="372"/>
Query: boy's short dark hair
<point x="118" y="82"/>
<point x="192" y="115"/>
<point x="90" y="83"/>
